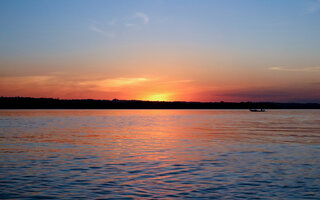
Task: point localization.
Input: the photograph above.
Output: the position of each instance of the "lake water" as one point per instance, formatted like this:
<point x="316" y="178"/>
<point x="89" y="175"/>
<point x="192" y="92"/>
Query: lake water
<point x="150" y="154"/>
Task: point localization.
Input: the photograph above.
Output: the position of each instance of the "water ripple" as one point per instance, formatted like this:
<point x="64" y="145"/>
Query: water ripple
<point x="153" y="154"/>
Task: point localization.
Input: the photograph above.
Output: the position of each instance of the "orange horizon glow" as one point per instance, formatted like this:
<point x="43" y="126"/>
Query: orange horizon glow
<point x="142" y="88"/>
<point x="163" y="75"/>
<point x="157" y="97"/>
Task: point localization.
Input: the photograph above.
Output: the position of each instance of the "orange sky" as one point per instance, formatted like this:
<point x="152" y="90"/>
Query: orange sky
<point x="163" y="74"/>
<point x="160" y="88"/>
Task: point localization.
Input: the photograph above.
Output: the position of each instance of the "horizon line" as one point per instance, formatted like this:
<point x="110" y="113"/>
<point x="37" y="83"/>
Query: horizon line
<point x="115" y="99"/>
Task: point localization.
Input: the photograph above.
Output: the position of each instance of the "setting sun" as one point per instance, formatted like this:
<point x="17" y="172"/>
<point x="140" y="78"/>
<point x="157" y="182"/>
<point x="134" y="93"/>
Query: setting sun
<point x="158" y="97"/>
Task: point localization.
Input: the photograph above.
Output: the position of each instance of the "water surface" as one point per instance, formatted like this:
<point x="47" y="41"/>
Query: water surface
<point x="169" y="154"/>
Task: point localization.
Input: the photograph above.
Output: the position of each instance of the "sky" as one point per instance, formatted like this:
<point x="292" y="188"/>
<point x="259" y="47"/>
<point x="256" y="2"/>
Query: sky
<point x="161" y="50"/>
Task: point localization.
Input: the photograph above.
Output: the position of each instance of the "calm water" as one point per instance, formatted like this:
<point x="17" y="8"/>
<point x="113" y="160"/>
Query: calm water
<point x="169" y="154"/>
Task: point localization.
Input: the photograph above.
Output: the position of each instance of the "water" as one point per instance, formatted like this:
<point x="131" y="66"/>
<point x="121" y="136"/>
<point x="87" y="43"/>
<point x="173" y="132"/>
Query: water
<point x="169" y="154"/>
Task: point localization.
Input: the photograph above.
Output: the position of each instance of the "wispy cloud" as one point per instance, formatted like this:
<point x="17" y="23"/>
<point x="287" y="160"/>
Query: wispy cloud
<point x="313" y="7"/>
<point x="142" y="16"/>
<point x="178" y="81"/>
<point x="288" y="69"/>
<point x="120" y="82"/>
<point x="316" y="83"/>
<point x="106" y="33"/>
<point x="110" y="28"/>
<point x="137" y="19"/>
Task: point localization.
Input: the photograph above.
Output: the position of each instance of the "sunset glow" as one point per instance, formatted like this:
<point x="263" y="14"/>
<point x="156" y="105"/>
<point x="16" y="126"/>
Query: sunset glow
<point x="157" y="97"/>
<point x="155" y="50"/>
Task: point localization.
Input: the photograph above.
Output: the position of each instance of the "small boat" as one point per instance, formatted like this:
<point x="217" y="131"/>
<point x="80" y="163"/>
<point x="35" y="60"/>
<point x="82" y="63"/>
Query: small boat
<point x="258" y="110"/>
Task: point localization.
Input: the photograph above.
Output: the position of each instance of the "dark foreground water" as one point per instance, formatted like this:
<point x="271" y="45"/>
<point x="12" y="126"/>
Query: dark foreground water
<point x="169" y="154"/>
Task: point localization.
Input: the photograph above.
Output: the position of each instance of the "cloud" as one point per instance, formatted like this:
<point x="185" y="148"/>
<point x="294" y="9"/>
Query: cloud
<point x="176" y="81"/>
<point x="142" y="16"/>
<point x="67" y="86"/>
<point x="316" y="83"/>
<point x="112" y="27"/>
<point x="288" y="69"/>
<point x="106" y="33"/>
<point x="120" y="82"/>
<point x="302" y="93"/>
<point x="137" y="19"/>
<point x="313" y="7"/>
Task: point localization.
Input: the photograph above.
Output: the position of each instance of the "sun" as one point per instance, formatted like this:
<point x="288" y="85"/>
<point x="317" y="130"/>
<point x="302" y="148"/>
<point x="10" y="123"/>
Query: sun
<point x="158" y="97"/>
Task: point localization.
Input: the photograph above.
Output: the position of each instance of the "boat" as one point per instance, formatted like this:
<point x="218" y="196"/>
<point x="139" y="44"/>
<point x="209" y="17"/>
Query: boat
<point x="257" y="110"/>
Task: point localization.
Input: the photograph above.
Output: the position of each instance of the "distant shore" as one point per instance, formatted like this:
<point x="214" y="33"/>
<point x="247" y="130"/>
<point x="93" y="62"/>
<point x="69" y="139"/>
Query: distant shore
<point x="51" y="103"/>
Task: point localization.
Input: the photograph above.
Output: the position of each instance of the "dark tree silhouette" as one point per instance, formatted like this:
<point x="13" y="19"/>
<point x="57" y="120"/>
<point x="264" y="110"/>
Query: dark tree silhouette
<point x="50" y="103"/>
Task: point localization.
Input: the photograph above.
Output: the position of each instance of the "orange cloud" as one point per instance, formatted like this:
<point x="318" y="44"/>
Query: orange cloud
<point x="63" y="86"/>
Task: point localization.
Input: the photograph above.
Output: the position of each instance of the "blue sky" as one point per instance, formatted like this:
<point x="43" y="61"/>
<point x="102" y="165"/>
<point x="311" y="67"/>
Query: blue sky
<point x="45" y="25"/>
